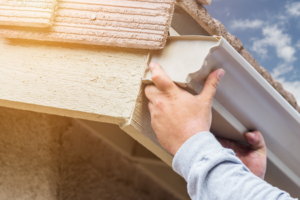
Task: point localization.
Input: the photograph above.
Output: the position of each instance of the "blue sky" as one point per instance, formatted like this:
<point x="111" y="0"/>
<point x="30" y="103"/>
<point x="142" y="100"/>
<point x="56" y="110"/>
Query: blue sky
<point x="270" y="30"/>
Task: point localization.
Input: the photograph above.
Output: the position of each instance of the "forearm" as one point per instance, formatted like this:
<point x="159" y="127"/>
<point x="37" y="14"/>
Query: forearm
<point x="213" y="172"/>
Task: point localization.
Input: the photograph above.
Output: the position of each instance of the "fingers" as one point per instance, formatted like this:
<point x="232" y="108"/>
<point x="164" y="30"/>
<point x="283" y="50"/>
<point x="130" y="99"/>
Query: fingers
<point x="225" y="142"/>
<point x="151" y="91"/>
<point x="161" y="80"/>
<point x="255" y="139"/>
<point x="210" y="85"/>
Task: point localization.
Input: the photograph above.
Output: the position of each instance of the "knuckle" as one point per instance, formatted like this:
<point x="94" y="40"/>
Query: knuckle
<point x="213" y="81"/>
<point x="169" y="84"/>
<point x="214" y="84"/>
<point x="158" y="102"/>
<point x="153" y="124"/>
<point x="173" y="95"/>
<point x="155" y="76"/>
<point x="153" y="116"/>
<point x="147" y="89"/>
<point x="207" y="101"/>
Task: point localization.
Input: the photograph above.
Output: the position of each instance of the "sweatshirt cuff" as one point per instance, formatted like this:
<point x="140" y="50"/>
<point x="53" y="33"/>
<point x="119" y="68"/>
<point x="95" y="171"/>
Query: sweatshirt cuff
<point x="194" y="150"/>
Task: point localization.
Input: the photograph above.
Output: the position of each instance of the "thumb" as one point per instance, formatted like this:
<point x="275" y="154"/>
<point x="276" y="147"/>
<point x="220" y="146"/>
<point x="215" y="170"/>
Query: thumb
<point x="255" y="139"/>
<point x="210" y="86"/>
<point x="160" y="79"/>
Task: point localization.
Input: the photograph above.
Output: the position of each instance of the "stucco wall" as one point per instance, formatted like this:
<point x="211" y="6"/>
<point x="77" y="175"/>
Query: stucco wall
<point x="90" y="168"/>
<point x="29" y="144"/>
<point x="50" y="157"/>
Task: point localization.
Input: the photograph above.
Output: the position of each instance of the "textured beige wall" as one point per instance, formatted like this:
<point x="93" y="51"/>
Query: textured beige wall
<point x="29" y="145"/>
<point x="51" y="157"/>
<point x="90" y="169"/>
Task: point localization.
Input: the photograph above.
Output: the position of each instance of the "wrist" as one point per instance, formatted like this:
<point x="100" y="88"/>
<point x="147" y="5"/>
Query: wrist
<point x="194" y="149"/>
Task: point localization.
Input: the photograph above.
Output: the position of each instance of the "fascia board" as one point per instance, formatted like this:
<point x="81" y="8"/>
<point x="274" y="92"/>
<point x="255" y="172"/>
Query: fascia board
<point x="244" y="99"/>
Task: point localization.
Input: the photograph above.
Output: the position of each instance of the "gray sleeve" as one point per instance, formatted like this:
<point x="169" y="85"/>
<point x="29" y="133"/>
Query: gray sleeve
<point x="213" y="172"/>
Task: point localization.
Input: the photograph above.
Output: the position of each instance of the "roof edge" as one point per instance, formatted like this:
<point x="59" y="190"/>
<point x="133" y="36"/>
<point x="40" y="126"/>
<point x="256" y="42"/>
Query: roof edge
<point x="214" y="27"/>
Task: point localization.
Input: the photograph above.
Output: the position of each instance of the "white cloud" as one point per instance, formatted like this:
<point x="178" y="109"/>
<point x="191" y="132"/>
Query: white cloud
<point x="225" y="10"/>
<point x="274" y="37"/>
<point x="292" y="87"/>
<point x="246" y="24"/>
<point x="298" y="44"/>
<point x="281" y="18"/>
<point x="281" y="70"/>
<point x="293" y="9"/>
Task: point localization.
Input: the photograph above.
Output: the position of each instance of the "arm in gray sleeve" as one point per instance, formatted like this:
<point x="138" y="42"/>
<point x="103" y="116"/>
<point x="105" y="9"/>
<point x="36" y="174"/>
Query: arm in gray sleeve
<point x="213" y="172"/>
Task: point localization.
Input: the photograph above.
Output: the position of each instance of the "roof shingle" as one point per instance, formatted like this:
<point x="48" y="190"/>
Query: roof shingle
<point x="124" y="23"/>
<point x="35" y="13"/>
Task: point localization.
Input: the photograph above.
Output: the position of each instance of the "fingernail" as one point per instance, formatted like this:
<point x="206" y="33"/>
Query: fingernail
<point x="151" y="65"/>
<point x="251" y="134"/>
<point x="220" y="74"/>
<point x="251" y="138"/>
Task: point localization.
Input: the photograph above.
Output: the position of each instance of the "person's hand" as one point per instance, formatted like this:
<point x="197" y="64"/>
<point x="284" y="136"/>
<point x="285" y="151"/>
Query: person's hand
<point x="177" y="115"/>
<point x="253" y="156"/>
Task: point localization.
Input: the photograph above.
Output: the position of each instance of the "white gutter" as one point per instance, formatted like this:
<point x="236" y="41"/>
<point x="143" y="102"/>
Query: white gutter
<point x="244" y="99"/>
